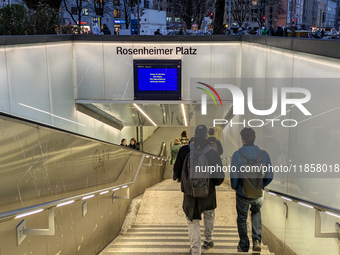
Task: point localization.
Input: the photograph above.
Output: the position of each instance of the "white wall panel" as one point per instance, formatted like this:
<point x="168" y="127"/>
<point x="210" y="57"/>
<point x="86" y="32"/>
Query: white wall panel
<point x="89" y="74"/>
<point x="118" y="72"/>
<point x="60" y="76"/>
<point x="4" y="99"/>
<point x="28" y="81"/>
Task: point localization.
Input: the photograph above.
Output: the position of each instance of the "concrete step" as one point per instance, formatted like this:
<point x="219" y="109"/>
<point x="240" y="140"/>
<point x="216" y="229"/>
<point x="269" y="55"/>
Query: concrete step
<point x="177" y="237"/>
<point x="178" y="226"/>
<point x="181" y="239"/>
<point x="184" y="245"/>
<point x="175" y="250"/>
<point x="179" y="234"/>
<point x="173" y="239"/>
<point x="177" y="230"/>
<point x="182" y="253"/>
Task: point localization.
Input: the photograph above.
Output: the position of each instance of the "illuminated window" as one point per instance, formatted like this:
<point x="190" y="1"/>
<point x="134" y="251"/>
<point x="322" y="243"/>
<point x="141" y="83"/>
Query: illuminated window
<point x="86" y="12"/>
<point x="116" y="13"/>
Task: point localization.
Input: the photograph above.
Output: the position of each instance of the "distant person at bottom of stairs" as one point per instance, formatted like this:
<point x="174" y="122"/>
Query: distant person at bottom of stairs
<point x="123" y="142"/>
<point x="246" y="196"/>
<point x="133" y="144"/>
<point x="184" y="138"/>
<point x="174" y="151"/>
<point x="194" y="207"/>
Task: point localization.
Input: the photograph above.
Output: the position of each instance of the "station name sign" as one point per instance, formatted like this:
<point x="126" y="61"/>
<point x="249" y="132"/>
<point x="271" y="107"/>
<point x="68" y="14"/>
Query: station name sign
<point x="156" y="51"/>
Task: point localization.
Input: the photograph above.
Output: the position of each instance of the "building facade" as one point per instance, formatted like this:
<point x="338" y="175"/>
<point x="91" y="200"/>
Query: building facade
<point x="173" y="21"/>
<point x="309" y="13"/>
<point x="4" y="3"/>
<point x="330" y="14"/>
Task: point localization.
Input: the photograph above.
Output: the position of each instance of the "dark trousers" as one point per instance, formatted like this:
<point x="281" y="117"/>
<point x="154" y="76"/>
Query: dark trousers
<point x="242" y="206"/>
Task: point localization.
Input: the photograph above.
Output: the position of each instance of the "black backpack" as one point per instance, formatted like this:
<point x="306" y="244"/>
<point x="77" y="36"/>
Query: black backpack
<point x="252" y="181"/>
<point x="196" y="183"/>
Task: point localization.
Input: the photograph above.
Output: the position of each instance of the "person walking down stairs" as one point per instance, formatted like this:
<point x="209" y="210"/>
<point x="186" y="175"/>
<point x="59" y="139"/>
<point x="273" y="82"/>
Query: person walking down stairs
<point x="174" y="151"/>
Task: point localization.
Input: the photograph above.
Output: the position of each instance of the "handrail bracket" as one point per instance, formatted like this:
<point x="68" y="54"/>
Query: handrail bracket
<point x="121" y="197"/>
<point x="22" y="231"/>
<point x="319" y="234"/>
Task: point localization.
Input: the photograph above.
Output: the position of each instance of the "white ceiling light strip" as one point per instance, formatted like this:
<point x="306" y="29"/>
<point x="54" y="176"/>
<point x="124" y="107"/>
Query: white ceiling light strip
<point x="184" y="116"/>
<point x="146" y="116"/>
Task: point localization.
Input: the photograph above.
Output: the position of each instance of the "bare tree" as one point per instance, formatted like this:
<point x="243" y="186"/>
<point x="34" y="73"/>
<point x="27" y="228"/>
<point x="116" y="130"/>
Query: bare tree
<point x="203" y="7"/>
<point x="192" y="11"/>
<point x="185" y="10"/>
<point x="240" y="9"/>
<point x="76" y="9"/>
<point x="127" y="7"/>
<point x="33" y="4"/>
<point x="219" y="14"/>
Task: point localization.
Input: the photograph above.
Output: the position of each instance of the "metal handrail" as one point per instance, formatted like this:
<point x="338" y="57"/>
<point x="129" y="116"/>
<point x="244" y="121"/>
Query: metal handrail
<point x="10" y="215"/>
<point x="161" y="149"/>
<point x="45" y="125"/>
<point x="319" y="207"/>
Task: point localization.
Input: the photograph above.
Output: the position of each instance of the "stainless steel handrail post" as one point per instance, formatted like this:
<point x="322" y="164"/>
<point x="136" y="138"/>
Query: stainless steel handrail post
<point x="319" y="234"/>
<point x="122" y="197"/>
<point x="22" y="231"/>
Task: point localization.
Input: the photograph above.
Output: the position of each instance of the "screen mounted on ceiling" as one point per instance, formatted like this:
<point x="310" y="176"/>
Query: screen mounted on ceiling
<point x="157" y="79"/>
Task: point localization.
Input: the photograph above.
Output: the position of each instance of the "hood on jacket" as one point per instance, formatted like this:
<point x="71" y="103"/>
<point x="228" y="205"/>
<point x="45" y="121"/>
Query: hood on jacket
<point x="250" y="152"/>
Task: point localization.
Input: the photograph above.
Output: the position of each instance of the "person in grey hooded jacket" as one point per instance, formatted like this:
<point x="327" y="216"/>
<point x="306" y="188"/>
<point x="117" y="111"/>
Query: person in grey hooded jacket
<point x="250" y="152"/>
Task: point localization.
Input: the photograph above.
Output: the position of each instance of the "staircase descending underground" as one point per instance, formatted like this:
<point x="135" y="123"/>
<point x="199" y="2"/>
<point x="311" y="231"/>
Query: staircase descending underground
<point x="160" y="226"/>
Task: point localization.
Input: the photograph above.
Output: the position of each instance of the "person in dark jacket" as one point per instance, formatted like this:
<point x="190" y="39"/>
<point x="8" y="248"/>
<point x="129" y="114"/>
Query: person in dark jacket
<point x="250" y="152"/>
<point x="133" y="144"/>
<point x="279" y="31"/>
<point x="106" y="30"/>
<point x="214" y="142"/>
<point x="174" y="151"/>
<point x="252" y="31"/>
<point x="123" y="142"/>
<point x="158" y="32"/>
<point x="193" y="207"/>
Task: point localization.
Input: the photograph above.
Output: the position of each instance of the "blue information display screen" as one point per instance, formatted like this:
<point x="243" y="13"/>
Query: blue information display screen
<point x="157" y="79"/>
